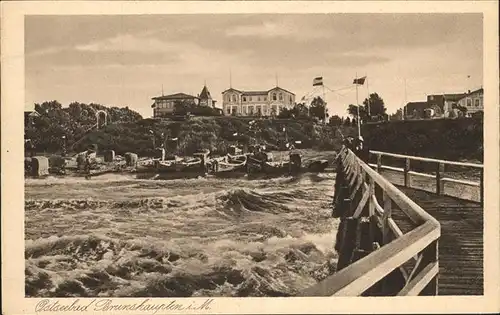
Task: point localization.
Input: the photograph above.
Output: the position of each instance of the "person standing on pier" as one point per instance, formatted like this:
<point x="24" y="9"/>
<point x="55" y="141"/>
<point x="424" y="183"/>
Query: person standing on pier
<point x="361" y="150"/>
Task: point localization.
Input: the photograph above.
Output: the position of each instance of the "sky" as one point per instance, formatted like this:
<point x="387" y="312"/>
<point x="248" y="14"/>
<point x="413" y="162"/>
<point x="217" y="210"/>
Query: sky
<point x="124" y="60"/>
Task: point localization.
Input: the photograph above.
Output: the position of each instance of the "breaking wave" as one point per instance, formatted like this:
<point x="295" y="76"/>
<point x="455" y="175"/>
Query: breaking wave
<point x="126" y="237"/>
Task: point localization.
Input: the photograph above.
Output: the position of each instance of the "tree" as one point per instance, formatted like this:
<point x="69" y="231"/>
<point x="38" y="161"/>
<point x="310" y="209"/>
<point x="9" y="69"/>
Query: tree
<point x="285" y="113"/>
<point x="353" y="111"/>
<point x="463" y="110"/>
<point x="347" y="121"/>
<point x="317" y="108"/>
<point x="335" y="120"/>
<point x="453" y="114"/>
<point x="300" y="110"/>
<point x="398" y="115"/>
<point x="375" y="106"/>
<point x="182" y="107"/>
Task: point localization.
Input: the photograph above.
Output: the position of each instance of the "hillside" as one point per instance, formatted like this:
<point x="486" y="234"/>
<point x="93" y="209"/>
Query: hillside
<point x="450" y="139"/>
<point x="129" y="132"/>
<point x="73" y="122"/>
<point x="213" y="133"/>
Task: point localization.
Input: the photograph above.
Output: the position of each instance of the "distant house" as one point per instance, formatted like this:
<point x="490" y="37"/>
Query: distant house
<point x="29" y="116"/>
<point x="415" y="110"/>
<point x="445" y="102"/>
<point x="164" y="105"/>
<point x="473" y="101"/>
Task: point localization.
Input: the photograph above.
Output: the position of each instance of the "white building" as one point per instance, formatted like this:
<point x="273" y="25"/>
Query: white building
<point x="473" y="101"/>
<point x="256" y="103"/>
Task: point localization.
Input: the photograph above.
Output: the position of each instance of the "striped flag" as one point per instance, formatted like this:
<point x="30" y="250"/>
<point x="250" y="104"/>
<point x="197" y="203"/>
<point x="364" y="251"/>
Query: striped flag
<point x="318" y="81"/>
<point x="359" y="81"/>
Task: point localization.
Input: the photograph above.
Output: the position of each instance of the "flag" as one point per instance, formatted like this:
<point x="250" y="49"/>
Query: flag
<point x="359" y="81"/>
<point x="318" y="81"/>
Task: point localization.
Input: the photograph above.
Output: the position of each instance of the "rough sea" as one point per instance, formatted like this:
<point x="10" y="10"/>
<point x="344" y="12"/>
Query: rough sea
<point x="116" y="236"/>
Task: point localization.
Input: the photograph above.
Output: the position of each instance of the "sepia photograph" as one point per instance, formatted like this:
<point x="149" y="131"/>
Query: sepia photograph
<point x="252" y="154"/>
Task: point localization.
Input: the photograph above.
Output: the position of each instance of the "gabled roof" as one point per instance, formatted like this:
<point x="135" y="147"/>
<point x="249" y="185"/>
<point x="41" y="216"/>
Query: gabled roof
<point x="476" y="91"/>
<point x="205" y="94"/>
<point x="280" y="88"/>
<point x="454" y="97"/>
<point x="175" y="96"/>
<point x="231" y="89"/>
<point x="31" y="113"/>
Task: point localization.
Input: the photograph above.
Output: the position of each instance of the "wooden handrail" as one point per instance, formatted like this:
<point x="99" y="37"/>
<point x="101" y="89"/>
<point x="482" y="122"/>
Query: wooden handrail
<point x="420" y="243"/>
<point x="424" y="159"/>
<point x="438" y="176"/>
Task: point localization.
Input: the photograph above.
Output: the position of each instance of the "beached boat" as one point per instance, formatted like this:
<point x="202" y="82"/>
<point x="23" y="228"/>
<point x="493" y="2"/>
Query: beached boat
<point x="229" y="166"/>
<point x="173" y="167"/>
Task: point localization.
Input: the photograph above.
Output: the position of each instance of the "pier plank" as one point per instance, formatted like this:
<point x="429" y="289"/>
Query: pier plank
<point x="461" y="242"/>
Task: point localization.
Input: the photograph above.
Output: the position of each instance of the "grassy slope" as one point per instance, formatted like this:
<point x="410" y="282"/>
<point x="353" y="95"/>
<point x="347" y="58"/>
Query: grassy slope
<point x="215" y="133"/>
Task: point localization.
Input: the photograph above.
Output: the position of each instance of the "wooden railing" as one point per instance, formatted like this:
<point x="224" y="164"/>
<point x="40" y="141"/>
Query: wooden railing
<point x="438" y="177"/>
<point x="374" y="253"/>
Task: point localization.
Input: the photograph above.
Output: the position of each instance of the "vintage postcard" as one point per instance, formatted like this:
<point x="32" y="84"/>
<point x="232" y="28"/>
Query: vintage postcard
<point x="250" y="157"/>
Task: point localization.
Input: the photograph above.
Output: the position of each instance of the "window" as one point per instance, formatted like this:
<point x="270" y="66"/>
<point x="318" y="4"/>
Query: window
<point x="281" y="96"/>
<point x="291" y="99"/>
<point x="250" y="110"/>
<point x="228" y="110"/>
<point x="469" y="102"/>
<point x="244" y="99"/>
<point x="259" y="110"/>
<point x="229" y="98"/>
<point x="265" y="98"/>
<point x="274" y="96"/>
<point x="249" y="98"/>
<point x="476" y="101"/>
<point x="235" y="110"/>
<point x="244" y="109"/>
<point x="234" y="98"/>
<point x="258" y="98"/>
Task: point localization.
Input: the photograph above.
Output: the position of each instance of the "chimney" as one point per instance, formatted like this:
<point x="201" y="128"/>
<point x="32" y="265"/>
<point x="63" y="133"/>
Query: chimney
<point x="469" y="92"/>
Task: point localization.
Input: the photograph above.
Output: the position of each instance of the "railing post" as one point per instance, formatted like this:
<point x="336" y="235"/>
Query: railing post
<point x="387" y="215"/>
<point x="439" y="176"/>
<point x="430" y="255"/>
<point x="481" y="187"/>
<point x="407" y="173"/>
<point x="371" y="211"/>
<point x="379" y="162"/>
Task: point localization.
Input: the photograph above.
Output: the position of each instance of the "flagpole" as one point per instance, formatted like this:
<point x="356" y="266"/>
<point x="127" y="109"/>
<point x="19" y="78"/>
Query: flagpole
<point x="368" y="105"/>
<point x="324" y="100"/>
<point x="357" y="106"/>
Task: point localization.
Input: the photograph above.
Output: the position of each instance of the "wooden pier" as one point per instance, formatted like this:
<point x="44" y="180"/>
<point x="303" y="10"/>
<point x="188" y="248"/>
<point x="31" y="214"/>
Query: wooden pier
<point x="402" y="232"/>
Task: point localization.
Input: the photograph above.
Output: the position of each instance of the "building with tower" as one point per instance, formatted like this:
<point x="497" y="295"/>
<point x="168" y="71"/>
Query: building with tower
<point x="164" y="105"/>
<point x="206" y="98"/>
